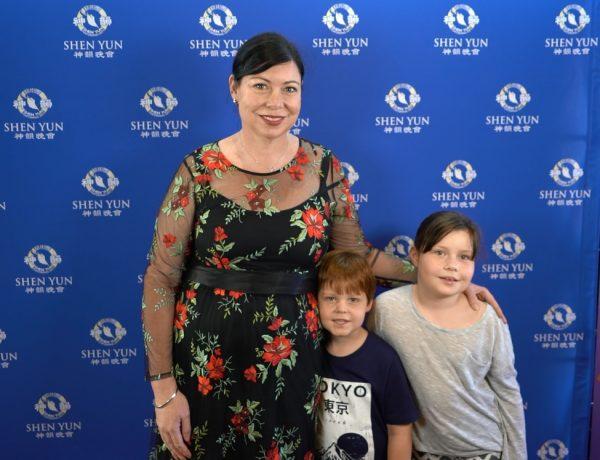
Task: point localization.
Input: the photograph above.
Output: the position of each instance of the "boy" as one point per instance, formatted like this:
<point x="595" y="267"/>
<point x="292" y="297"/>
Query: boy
<point x="366" y="406"/>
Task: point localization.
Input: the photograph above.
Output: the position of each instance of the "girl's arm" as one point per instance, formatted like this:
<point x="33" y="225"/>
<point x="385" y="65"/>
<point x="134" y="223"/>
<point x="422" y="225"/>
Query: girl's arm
<point x="502" y="378"/>
<point x="399" y="442"/>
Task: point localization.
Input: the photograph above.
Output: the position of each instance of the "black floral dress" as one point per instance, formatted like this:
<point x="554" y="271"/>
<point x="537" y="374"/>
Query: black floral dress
<point x="247" y="360"/>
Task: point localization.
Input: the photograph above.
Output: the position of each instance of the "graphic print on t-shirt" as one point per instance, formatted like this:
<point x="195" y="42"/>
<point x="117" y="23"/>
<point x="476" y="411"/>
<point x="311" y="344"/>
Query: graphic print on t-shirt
<point x="344" y="428"/>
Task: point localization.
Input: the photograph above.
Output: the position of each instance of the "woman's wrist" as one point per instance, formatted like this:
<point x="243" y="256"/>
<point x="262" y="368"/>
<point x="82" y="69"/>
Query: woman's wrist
<point x="163" y="389"/>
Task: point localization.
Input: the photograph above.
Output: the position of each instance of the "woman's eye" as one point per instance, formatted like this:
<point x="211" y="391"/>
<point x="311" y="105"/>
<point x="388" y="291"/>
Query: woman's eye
<point x="465" y="257"/>
<point x="260" y="85"/>
<point x="291" y="89"/>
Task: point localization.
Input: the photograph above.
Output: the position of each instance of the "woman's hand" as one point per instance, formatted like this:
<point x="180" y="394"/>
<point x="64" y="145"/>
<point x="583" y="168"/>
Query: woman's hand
<point x="173" y="420"/>
<point x="477" y="294"/>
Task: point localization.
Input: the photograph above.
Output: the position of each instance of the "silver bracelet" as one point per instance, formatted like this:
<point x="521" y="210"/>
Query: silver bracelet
<point x="171" y="398"/>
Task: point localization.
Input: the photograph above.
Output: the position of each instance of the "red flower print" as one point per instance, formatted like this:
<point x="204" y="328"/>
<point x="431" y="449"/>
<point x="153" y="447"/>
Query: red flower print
<point x="250" y="374"/>
<point x="215" y="160"/>
<point x="204" y="385"/>
<point x="175" y="204"/>
<point x="236" y="294"/>
<point x="215" y="367"/>
<point x="169" y="239"/>
<point x="275" y="323"/>
<point x="273" y="452"/>
<point x="217" y="352"/>
<point x="221" y="262"/>
<point x="202" y="178"/>
<point x="312" y="300"/>
<point x="220" y="234"/>
<point x="327" y="209"/>
<point x="336" y="164"/>
<point x="251" y="196"/>
<point x="301" y="157"/>
<point x="260" y="189"/>
<point x="180" y="315"/>
<point x="296" y="172"/>
<point x="314" y="223"/>
<point x="184" y="201"/>
<point x="312" y="322"/>
<point x="182" y="192"/>
<point x="190" y="294"/>
<point x="257" y="204"/>
<point x="309" y="455"/>
<point x="280" y="348"/>
<point x="240" y="421"/>
<point x="317" y="255"/>
<point x="219" y="291"/>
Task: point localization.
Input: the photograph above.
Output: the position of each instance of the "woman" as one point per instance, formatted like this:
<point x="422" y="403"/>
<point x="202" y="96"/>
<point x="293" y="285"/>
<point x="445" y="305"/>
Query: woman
<point x="229" y="310"/>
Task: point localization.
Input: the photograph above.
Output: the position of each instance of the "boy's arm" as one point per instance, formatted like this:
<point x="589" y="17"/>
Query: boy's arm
<point x="502" y="378"/>
<point x="399" y="442"/>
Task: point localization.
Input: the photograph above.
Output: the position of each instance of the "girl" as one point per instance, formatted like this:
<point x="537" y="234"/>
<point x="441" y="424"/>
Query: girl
<point x="460" y="361"/>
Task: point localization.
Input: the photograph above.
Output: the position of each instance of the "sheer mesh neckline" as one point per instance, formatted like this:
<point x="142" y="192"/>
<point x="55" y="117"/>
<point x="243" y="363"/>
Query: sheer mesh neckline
<point x="255" y="173"/>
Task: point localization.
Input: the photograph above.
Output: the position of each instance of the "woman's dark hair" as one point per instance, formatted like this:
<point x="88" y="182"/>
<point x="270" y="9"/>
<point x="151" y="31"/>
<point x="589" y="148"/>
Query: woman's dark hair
<point x="439" y="224"/>
<point x="262" y="52"/>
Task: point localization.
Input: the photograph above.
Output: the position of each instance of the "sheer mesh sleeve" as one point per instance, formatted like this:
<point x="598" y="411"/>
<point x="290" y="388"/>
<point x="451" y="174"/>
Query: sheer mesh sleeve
<point x="167" y="257"/>
<point x="347" y="233"/>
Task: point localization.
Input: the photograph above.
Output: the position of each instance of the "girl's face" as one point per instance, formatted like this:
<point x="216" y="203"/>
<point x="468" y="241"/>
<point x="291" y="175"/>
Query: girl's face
<point x="269" y="102"/>
<point x="447" y="269"/>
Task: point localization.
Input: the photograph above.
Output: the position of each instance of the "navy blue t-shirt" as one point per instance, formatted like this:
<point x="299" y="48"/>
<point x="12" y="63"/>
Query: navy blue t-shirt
<point x="361" y="394"/>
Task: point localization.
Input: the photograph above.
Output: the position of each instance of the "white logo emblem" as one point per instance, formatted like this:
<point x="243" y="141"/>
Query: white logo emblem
<point x="108" y="331"/>
<point x="100" y="181"/>
<point x="559" y="316"/>
<point x="566" y="172"/>
<point x="402" y="98"/>
<point x="158" y="101"/>
<point x="218" y="20"/>
<point x="513" y="97"/>
<point x="459" y="174"/>
<point x="42" y="259"/>
<point x="553" y="449"/>
<point x="52" y="406"/>
<point x="400" y="246"/>
<point x="340" y="18"/>
<point x="92" y="20"/>
<point x="32" y="103"/>
<point x="350" y="173"/>
<point x="2" y="336"/>
<point x="508" y="246"/>
<point x="461" y="19"/>
<point x="572" y="19"/>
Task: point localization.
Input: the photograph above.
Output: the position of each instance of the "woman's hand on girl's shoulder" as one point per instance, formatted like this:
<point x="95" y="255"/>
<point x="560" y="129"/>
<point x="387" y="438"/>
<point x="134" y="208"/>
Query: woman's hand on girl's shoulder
<point x="477" y="295"/>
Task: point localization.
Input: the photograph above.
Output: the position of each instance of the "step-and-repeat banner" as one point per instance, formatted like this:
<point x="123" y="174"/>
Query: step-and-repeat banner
<point x="489" y="108"/>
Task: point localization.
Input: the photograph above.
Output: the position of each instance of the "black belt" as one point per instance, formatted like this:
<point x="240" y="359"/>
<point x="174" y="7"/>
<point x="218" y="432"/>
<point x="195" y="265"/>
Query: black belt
<point x="254" y="282"/>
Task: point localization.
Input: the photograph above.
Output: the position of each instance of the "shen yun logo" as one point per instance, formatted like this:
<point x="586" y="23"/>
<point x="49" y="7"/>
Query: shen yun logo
<point x="513" y="97"/>
<point x="340" y="18"/>
<point x="92" y="20"/>
<point x="52" y="406"/>
<point x="553" y="449"/>
<point x="32" y="103"/>
<point x="566" y="172"/>
<point x="508" y="246"/>
<point x="459" y="174"/>
<point x="400" y="246"/>
<point x="559" y="316"/>
<point x="218" y="20"/>
<point x="100" y="181"/>
<point x="402" y="98"/>
<point x="572" y="19"/>
<point x="6" y="357"/>
<point x="42" y="259"/>
<point x="158" y="101"/>
<point x="108" y="332"/>
<point x="461" y="19"/>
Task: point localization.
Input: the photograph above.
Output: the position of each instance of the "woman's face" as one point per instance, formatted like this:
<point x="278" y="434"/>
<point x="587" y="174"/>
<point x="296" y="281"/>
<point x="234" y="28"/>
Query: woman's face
<point x="269" y="102"/>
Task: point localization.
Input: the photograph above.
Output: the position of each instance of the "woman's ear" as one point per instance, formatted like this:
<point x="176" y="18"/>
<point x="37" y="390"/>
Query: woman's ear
<point x="414" y="256"/>
<point x="232" y="87"/>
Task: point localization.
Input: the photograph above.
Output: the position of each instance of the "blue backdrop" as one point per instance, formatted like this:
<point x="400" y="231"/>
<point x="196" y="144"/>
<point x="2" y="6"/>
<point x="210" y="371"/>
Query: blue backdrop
<point x="490" y="108"/>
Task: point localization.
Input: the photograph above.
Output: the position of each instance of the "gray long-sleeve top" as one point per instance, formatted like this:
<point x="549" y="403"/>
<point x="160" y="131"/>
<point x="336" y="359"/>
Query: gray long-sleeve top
<point x="464" y="380"/>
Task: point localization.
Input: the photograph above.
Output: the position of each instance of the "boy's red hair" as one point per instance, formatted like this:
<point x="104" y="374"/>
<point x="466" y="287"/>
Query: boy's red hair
<point x="346" y="271"/>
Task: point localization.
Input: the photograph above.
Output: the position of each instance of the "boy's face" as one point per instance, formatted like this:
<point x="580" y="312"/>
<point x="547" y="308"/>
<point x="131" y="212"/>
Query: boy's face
<point x="342" y="313"/>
